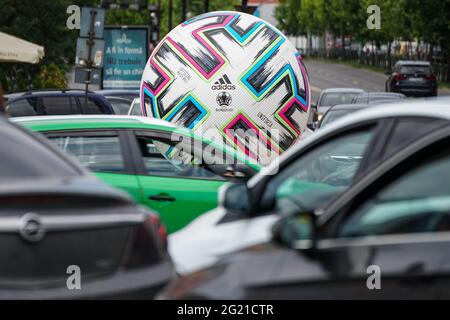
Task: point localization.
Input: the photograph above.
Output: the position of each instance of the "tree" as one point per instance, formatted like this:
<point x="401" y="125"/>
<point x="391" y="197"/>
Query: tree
<point x="287" y="14"/>
<point x="42" y="22"/>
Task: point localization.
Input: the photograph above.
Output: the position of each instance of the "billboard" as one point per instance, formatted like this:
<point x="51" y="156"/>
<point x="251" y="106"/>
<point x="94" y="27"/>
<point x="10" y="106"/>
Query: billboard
<point x="126" y="53"/>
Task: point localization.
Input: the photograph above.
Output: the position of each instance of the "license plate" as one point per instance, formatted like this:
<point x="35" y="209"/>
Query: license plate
<point x="416" y="79"/>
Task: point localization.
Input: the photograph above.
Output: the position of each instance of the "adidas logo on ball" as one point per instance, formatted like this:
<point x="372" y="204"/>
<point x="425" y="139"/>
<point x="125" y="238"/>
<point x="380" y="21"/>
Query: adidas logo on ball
<point x="223" y="83"/>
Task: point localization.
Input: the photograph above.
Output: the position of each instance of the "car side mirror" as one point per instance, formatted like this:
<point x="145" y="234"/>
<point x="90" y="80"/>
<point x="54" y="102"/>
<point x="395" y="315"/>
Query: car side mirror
<point x="235" y="197"/>
<point x="387" y="72"/>
<point x="313" y="125"/>
<point x="296" y="231"/>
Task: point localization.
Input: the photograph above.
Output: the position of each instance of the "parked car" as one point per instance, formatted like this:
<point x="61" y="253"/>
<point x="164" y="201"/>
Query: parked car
<point x="57" y="219"/>
<point x="333" y="96"/>
<point x="135" y="108"/>
<point x="165" y="168"/>
<point x="56" y="102"/>
<point x="377" y="97"/>
<point x="386" y="237"/>
<point x="119" y="93"/>
<point x="121" y="100"/>
<point x="412" y="78"/>
<point x="321" y="167"/>
<point x="120" y="105"/>
<point x="338" y="111"/>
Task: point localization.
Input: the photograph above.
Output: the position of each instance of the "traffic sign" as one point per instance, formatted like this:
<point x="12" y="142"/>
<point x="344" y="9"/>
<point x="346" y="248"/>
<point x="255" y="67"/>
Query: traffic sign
<point x="99" y="22"/>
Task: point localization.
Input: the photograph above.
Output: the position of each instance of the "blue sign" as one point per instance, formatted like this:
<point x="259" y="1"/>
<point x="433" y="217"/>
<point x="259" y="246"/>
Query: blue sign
<point x="126" y="53"/>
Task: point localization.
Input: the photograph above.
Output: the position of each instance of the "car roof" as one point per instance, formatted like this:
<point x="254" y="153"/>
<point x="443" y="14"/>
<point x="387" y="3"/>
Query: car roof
<point x="117" y="92"/>
<point x="58" y="123"/>
<point x="413" y="63"/>
<point x="354" y="106"/>
<point x="381" y="94"/>
<point x="432" y="107"/>
<point x="92" y="121"/>
<point x="49" y="93"/>
<point x="343" y="90"/>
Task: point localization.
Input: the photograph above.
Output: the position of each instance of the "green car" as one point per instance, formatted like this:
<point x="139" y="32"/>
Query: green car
<point x="163" y="167"/>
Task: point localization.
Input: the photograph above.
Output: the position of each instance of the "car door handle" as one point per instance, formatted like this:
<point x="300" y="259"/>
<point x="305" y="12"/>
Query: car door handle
<point x="162" y="197"/>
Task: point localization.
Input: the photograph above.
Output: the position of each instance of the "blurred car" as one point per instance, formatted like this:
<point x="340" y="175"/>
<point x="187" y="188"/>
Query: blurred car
<point x="333" y="96"/>
<point x="338" y="111"/>
<point x="135" y="108"/>
<point x="120" y="99"/>
<point x="376" y="97"/>
<point x="321" y="166"/>
<point x="119" y="93"/>
<point x="412" y="78"/>
<point x="56" y="102"/>
<point x="165" y="168"/>
<point x="56" y="217"/>
<point x="121" y="106"/>
<point x="390" y="231"/>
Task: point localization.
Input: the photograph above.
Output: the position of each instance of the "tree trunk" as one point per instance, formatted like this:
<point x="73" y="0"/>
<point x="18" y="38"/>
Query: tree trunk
<point x="430" y="53"/>
<point x="389" y="56"/>
<point x="448" y="66"/>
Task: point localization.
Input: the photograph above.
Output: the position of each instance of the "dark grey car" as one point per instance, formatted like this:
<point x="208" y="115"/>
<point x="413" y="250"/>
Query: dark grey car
<point x="412" y="78"/>
<point x="61" y="228"/>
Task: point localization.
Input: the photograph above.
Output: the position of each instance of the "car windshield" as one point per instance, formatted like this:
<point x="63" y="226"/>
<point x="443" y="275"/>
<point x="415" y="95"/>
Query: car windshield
<point x="330" y="166"/>
<point x="335" y="98"/>
<point x="425" y="70"/>
<point x="333" y="115"/>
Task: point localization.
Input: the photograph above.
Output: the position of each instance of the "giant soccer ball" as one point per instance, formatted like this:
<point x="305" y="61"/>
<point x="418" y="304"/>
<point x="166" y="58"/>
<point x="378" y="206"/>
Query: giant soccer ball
<point x="229" y="71"/>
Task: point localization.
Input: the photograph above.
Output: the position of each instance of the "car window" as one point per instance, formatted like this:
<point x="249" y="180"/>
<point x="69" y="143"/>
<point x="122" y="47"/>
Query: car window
<point x="408" y="130"/>
<point x="163" y="158"/>
<point x="91" y="107"/>
<point x="120" y="106"/>
<point x="23" y="107"/>
<point x="59" y="105"/>
<point x="26" y="157"/>
<point x="333" y="115"/>
<point x="425" y="70"/>
<point x="331" y="165"/>
<point x="136" y="109"/>
<point x="417" y="201"/>
<point x="97" y="153"/>
<point x="335" y="98"/>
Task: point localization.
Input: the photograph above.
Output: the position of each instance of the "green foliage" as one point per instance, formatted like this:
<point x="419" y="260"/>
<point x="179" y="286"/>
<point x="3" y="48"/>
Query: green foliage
<point x="428" y="21"/>
<point x="194" y="7"/>
<point x="287" y="13"/>
<point x="42" y="22"/>
<point x="50" y="76"/>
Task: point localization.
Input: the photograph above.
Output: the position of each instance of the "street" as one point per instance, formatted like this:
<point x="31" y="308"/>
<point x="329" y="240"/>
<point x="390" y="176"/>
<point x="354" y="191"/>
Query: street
<point x="325" y="75"/>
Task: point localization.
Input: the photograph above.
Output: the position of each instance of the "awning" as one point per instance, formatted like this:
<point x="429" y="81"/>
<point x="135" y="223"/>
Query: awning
<point x="13" y="49"/>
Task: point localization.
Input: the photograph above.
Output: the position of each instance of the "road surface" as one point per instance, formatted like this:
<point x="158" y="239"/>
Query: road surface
<point x="325" y="75"/>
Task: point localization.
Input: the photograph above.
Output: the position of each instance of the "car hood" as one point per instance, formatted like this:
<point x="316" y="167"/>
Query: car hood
<point x="205" y="240"/>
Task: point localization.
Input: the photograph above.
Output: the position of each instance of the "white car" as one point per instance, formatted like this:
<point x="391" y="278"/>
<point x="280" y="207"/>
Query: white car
<point x="334" y="96"/>
<point x="135" y="108"/>
<point x="317" y="168"/>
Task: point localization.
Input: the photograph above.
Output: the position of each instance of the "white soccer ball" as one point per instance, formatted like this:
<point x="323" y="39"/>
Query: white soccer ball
<point x="233" y="72"/>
